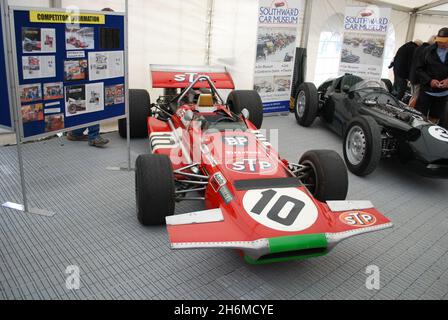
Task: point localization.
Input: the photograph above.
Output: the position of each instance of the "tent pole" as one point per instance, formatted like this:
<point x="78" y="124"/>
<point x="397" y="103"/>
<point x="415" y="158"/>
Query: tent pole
<point x="411" y="27"/>
<point x="210" y="12"/>
<point x="306" y="24"/>
<point x="55" y="3"/>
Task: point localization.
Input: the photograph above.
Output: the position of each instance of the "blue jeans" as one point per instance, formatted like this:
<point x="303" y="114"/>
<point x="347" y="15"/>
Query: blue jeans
<point x="94" y="132"/>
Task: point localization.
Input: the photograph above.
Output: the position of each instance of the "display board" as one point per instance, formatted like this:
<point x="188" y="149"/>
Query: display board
<point x="278" y="25"/>
<point x="365" y="35"/>
<point x="70" y="69"/>
<point x="6" y="121"/>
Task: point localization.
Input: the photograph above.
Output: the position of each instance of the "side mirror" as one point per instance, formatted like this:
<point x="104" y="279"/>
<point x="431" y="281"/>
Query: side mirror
<point x="246" y="114"/>
<point x="189" y="115"/>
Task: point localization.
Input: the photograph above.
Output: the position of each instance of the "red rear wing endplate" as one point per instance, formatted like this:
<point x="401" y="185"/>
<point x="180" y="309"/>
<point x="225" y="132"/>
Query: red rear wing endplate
<point x="180" y="77"/>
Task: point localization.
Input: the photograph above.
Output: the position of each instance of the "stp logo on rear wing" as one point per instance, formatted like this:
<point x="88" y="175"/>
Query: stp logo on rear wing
<point x="181" y="77"/>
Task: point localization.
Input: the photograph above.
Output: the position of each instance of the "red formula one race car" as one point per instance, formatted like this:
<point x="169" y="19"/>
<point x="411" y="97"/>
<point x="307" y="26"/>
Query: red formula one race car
<point x="206" y="149"/>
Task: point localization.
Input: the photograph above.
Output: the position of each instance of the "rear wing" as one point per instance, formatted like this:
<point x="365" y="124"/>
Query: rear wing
<point x="181" y="77"/>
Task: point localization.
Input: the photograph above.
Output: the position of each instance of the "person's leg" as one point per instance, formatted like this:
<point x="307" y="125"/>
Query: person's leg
<point x="437" y="108"/>
<point x="77" y="135"/>
<point x="402" y="86"/>
<point x="94" y="132"/>
<point x="95" y="139"/>
<point x="423" y="103"/>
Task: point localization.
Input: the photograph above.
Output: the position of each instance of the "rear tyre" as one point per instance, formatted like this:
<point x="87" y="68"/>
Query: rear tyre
<point x="307" y="104"/>
<point x="389" y="85"/>
<point x="154" y="189"/>
<point x="362" y="146"/>
<point x="326" y="177"/>
<point x="247" y="99"/>
<point x="139" y="111"/>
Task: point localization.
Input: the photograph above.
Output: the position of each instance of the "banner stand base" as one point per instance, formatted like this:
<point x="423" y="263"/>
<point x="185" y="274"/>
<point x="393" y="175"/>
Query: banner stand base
<point x="120" y="169"/>
<point x="21" y="207"/>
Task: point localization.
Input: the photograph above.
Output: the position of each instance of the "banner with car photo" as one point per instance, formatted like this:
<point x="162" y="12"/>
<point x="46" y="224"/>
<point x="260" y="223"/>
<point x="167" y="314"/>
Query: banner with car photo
<point x="278" y="26"/>
<point x="365" y="34"/>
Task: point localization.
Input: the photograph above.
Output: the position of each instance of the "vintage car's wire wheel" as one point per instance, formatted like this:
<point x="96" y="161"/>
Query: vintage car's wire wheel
<point x="72" y="109"/>
<point x="154" y="189"/>
<point x="356" y="145"/>
<point x="326" y="177"/>
<point x="307" y="104"/>
<point x="139" y="111"/>
<point x="301" y="104"/>
<point x="363" y="145"/>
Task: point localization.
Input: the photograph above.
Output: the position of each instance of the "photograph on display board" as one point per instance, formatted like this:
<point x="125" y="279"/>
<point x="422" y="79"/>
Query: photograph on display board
<point x="84" y="99"/>
<point x="114" y="95"/>
<point x="30" y="93"/>
<point x="79" y="38"/>
<point x="75" y="70"/>
<point x="75" y="100"/>
<point x="363" y="49"/>
<point x="110" y="38"/>
<point x="276" y="45"/>
<point x="36" y="67"/>
<point x="106" y="65"/>
<point x="36" y="40"/>
<point x="32" y="113"/>
<point x="54" y="123"/>
<point x="53" y="91"/>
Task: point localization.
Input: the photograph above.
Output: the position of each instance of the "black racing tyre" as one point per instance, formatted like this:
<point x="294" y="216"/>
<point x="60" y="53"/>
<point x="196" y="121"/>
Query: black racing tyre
<point x="139" y="111"/>
<point x="362" y="146"/>
<point x="327" y="176"/>
<point x="154" y="189"/>
<point x="307" y="104"/>
<point x="389" y="85"/>
<point x="239" y="100"/>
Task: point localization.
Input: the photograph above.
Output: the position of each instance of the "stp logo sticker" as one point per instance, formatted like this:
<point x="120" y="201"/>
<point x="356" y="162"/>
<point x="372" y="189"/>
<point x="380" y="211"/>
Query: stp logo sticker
<point x="252" y="166"/>
<point x="358" y="219"/>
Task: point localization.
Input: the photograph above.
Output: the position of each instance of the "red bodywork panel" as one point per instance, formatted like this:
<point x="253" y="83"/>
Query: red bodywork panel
<point x="177" y="77"/>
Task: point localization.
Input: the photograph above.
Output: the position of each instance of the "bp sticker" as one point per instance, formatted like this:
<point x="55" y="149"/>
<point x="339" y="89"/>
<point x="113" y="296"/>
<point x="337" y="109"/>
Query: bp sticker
<point x="439" y="133"/>
<point x="288" y="210"/>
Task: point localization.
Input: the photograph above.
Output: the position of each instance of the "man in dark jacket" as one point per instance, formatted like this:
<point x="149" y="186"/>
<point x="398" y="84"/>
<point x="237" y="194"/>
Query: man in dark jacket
<point x="402" y="67"/>
<point x="432" y="70"/>
<point x="414" y="79"/>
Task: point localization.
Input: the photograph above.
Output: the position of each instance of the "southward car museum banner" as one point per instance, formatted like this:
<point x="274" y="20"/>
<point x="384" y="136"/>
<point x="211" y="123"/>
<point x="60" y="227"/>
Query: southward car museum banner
<point x="278" y="24"/>
<point x="365" y="34"/>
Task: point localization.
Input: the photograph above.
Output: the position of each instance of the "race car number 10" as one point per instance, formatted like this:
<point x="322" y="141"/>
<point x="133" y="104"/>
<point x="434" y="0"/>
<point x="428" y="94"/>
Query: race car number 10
<point x="288" y="210"/>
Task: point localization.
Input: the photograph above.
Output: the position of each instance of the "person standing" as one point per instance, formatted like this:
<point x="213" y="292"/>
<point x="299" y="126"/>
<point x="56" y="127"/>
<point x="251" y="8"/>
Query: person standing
<point x="402" y="67"/>
<point x="94" y="138"/>
<point x="432" y="71"/>
<point x="414" y="79"/>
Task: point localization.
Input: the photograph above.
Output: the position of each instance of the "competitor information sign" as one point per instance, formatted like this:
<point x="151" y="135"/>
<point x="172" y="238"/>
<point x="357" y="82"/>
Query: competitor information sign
<point x="278" y="24"/>
<point x="365" y="35"/>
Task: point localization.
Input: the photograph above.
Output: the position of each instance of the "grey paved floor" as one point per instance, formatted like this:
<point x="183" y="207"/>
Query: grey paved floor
<point x="95" y="228"/>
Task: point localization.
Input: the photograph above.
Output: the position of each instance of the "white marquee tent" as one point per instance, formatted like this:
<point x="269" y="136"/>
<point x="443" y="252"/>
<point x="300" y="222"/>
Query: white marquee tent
<point x="197" y="32"/>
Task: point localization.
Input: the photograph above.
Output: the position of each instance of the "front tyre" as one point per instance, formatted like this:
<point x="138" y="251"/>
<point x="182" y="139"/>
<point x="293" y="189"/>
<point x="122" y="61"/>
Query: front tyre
<point x="154" y="189"/>
<point x="307" y="104"/>
<point x="325" y="176"/>
<point x="362" y="146"/>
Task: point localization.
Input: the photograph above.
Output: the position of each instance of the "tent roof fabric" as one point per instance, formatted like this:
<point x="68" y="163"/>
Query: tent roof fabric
<point x="412" y="4"/>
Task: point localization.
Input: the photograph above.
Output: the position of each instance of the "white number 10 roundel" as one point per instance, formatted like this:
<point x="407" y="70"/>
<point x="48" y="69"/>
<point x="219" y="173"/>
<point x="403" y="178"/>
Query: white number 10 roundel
<point x="287" y="210"/>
